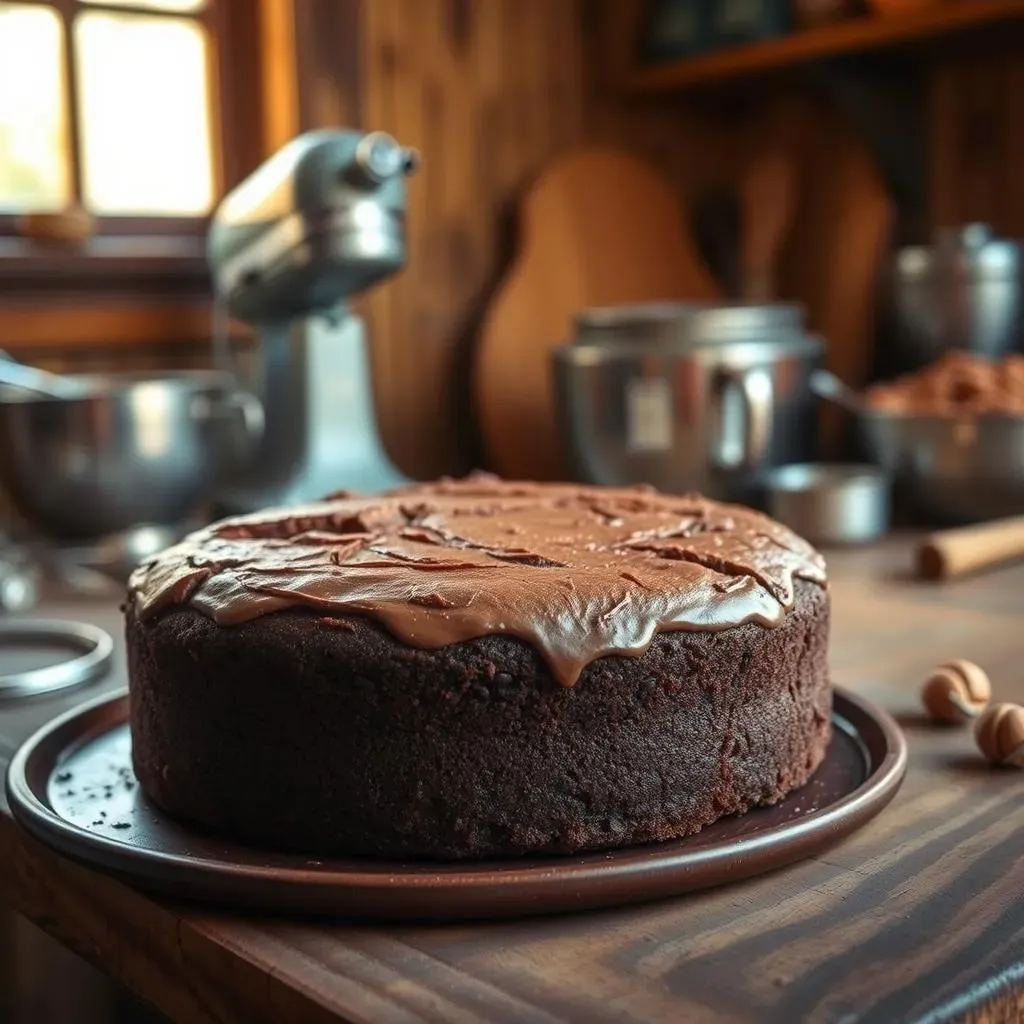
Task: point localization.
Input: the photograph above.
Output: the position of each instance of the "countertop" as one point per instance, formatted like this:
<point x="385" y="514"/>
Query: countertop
<point x="919" y="916"/>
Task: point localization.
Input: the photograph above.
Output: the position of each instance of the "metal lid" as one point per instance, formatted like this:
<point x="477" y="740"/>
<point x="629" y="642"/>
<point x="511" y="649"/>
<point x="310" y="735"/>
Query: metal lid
<point x="689" y="324"/>
<point x="971" y="250"/>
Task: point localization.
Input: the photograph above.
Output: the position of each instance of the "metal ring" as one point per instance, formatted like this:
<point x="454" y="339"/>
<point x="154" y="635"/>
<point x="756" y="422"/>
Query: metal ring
<point x="95" y="644"/>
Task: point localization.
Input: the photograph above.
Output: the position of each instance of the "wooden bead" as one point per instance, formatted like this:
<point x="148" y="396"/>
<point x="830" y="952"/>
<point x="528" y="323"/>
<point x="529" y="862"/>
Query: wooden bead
<point x="999" y="734"/>
<point x="956" y="692"/>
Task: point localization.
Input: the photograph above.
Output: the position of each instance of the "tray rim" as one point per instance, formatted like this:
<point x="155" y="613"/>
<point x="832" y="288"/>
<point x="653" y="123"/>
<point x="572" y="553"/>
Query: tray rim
<point x="456" y="890"/>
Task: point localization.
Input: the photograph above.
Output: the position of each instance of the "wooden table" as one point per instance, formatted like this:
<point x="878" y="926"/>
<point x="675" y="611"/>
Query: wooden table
<point x="920" y="916"/>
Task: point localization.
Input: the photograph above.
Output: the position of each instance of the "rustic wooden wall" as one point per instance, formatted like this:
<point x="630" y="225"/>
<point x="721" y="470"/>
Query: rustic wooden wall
<point x="489" y="90"/>
<point x="977" y="138"/>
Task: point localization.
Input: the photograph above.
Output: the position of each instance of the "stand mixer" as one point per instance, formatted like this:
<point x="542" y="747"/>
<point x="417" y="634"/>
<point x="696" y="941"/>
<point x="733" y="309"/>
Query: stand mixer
<point x="321" y="221"/>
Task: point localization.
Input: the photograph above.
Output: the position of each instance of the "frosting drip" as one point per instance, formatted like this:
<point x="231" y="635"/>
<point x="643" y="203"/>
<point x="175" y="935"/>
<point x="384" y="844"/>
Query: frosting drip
<point x="577" y="572"/>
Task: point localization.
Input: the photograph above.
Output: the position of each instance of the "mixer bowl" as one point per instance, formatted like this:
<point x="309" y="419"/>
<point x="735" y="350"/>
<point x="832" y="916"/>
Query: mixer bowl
<point x="711" y="418"/>
<point x="131" y="449"/>
<point x="953" y="470"/>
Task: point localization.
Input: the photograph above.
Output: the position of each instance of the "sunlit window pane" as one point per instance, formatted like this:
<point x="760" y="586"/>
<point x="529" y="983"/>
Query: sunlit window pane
<point x="144" y="114"/>
<point x="187" y="6"/>
<point x="33" y="162"/>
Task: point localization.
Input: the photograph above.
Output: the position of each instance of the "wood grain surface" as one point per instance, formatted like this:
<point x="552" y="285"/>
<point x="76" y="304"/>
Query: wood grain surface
<point x="490" y="92"/>
<point x="977" y="145"/>
<point x="918" y="917"/>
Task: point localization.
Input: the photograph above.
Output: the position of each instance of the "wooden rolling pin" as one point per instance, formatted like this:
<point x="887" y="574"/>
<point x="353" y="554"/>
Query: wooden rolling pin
<point x="951" y="553"/>
<point x="768" y="197"/>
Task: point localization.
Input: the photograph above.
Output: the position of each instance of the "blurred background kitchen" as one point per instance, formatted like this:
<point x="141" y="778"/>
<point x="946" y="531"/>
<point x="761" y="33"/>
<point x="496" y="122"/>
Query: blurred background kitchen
<point x="664" y="241"/>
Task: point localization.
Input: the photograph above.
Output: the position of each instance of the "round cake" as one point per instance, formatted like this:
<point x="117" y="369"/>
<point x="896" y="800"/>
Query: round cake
<point x="478" y="668"/>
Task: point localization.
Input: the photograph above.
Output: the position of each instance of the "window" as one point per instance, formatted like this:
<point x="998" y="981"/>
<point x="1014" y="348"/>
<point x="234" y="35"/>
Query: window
<point x="115" y="104"/>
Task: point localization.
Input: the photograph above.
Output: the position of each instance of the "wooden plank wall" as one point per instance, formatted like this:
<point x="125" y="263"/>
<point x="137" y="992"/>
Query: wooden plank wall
<point x="488" y="90"/>
<point x="977" y="134"/>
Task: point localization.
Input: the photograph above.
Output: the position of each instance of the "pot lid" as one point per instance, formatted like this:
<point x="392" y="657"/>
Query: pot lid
<point x="682" y="323"/>
<point x="972" y="249"/>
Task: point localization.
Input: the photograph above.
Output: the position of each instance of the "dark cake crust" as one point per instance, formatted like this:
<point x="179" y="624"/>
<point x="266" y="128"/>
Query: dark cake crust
<point x="329" y="736"/>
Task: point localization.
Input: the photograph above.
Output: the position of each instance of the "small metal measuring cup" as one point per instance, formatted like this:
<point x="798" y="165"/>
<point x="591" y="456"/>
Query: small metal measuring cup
<point x="831" y="503"/>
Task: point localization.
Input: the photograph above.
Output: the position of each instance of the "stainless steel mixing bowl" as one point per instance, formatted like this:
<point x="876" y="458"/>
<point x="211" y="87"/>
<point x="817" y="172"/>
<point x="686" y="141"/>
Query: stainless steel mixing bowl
<point x="689" y="398"/>
<point x="131" y="449"/>
<point x="953" y="470"/>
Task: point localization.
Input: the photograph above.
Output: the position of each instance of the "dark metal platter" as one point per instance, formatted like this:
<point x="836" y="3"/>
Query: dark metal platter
<point x="71" y="785"/>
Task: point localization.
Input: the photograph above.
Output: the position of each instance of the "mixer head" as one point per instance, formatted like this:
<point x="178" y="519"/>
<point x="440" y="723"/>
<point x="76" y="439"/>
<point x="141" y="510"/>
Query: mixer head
<point x="322" y="220"/>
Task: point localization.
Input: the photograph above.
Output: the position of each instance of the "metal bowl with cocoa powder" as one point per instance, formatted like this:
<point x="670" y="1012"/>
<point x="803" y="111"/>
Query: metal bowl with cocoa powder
<point x="952" y="435"/>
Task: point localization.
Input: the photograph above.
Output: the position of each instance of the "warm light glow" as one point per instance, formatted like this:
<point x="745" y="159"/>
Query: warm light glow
<point x="183" y="6"/>
<point x="150" y="403"/>
<point x="144" y="114"/>
<point x="33" y="165"/>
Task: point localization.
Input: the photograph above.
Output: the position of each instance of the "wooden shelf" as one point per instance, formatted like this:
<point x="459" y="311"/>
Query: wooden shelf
<point x="869" y="33"/>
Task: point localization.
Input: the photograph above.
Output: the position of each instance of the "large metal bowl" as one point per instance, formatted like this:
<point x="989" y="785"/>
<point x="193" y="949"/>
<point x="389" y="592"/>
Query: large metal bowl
<point x="131" y="449"/>
<point x="955" y="470"/>
<point x="709" y="418"/>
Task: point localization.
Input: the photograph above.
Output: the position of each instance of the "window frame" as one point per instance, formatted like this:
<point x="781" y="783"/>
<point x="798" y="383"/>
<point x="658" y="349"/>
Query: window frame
<point x="233" y="28"/>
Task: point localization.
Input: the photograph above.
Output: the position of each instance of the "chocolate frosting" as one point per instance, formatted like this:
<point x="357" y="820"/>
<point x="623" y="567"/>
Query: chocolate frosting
<point x="577" y="572"/>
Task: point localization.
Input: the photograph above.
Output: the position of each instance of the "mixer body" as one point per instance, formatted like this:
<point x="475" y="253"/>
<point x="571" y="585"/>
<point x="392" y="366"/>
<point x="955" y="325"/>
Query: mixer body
<point x="322" y="220"/>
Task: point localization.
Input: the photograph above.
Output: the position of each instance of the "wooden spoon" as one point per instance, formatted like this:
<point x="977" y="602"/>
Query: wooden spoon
<point x="839" y="238"/>
<point x="768" y="199"/>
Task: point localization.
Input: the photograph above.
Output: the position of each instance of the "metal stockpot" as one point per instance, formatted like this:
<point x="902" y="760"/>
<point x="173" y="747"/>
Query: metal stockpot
<point x="688" y="397"/>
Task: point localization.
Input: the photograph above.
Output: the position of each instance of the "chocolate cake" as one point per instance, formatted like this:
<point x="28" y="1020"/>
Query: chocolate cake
<point x="478" y="668"/>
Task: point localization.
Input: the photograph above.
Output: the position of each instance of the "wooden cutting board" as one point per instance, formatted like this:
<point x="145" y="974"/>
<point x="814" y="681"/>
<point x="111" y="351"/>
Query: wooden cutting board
<point x="597" y="228"/>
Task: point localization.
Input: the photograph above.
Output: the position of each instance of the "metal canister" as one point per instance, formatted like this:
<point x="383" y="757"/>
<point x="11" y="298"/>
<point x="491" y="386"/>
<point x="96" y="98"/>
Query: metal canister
<point x="961" y="292"/>
<point x="688" y="397"/>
